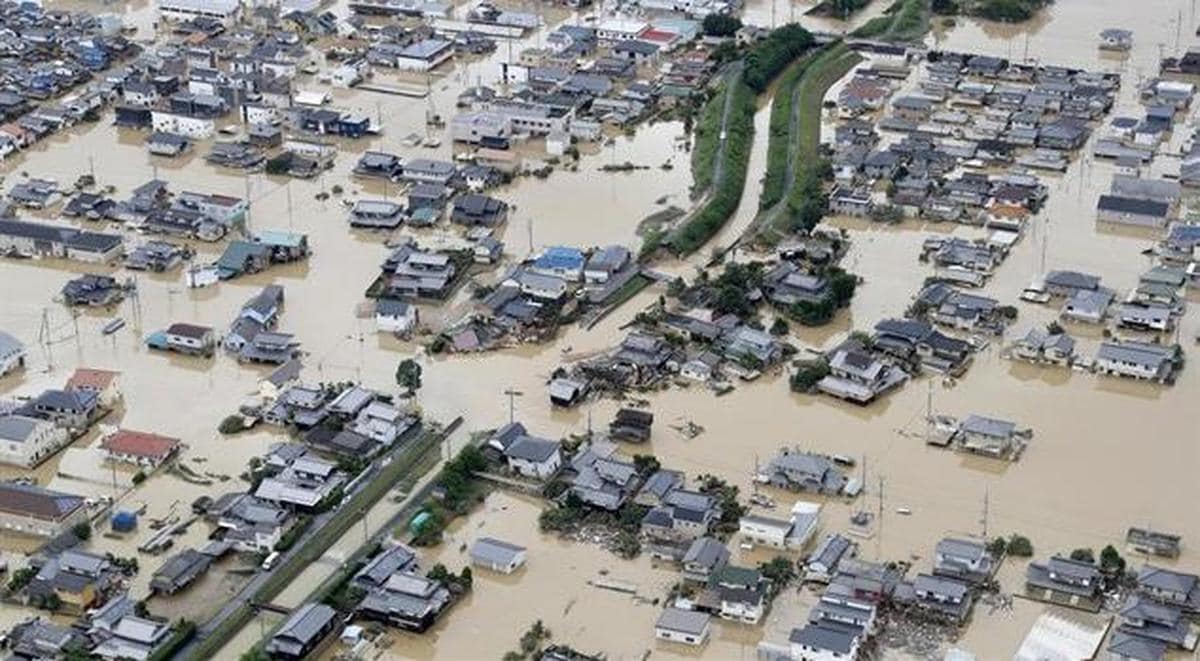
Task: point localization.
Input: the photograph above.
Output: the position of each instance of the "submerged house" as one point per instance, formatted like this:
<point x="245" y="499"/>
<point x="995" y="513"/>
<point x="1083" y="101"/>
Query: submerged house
<point x="1039" y="346"/>
<point x="917" y="342"/>
<point x="987" y="436"/>
<point x="1139" y="360"/>
<point x="1065" y="581"/>
<point x="601" y="479"/>
<point x="802" y="471"/>
<point x="856" y="375"/>
<point x="406" y="600"/>
<point x="303" y="632"/>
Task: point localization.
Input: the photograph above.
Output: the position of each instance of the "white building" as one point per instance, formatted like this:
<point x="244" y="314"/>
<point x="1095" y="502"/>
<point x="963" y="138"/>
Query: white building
<point x="794" y="533"/>
<point x="26" y="441"/>
<point x="392" y="316"/>
<point x="12" y="353"/>
<point x="497" y="555"/>
<point x="530" y="118"/>
<point x="260" y="113"/>
<point x="424" y="55"/>
<point x="618" y="29"/>
<point x="225" y="11"/>
<point x="475" y="127"/>
<point x="534" y="457"/>
<point x="198" y="128"/>
<point x="682" y="626"/>
<point x="224" y="209"/>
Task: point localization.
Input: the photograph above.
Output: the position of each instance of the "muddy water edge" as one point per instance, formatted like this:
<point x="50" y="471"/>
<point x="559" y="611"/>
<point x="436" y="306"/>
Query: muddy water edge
<point x="1106" y="454"/>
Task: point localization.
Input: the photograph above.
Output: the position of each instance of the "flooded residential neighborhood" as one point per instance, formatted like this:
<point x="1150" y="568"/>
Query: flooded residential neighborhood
<point x="388" y="329"/>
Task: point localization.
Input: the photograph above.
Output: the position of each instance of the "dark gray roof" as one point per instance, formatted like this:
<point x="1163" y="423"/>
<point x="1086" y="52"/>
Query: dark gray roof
<point x="1166" y="579"/>
<point x="530" y="448"/>
<point x="827" y="635"/>
<point x="1132" y="205"/>
<point x="706" y="552"/>
<point x="386" y="563"/>
<point x="1139" y="648"/>
<point x="307" y="623"/>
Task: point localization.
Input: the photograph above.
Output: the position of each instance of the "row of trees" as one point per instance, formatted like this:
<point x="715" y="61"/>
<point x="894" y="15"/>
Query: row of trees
<point x="769" y="57"/>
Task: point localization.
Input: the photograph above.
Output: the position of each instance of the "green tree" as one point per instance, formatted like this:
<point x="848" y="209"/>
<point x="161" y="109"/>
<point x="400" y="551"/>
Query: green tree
<point x="255" y="653"/>
<point x="1084" y="555"/>
<point x="20" y="578"/>
<point x="82" y="530"/>
<point x="1020" y="546"/>
<point x="997" y="547"/>
<point x="646" y="464"/>
<point x="1111" y="561"/>
<point x="533" y="638"/>
<point x="408" y="375"/>
<point x="721" y="25"/>
<point x="808" y="374"/>
<point x="780" y="571"/>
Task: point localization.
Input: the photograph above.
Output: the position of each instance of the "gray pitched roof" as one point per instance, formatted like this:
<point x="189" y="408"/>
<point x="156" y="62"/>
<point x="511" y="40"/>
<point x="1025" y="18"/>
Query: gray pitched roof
<point x="529" y="448"/>
<point x="683" y="621"/>
<point x="17" y="428"/>
<point x="306" y="623"/>
<point x="490" y="550"/>
<point x="827" y="636"/>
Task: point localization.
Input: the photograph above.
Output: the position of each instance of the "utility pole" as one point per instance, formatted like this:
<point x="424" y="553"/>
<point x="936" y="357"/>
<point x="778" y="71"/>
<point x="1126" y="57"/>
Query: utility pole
<point x="513" y="394"/>
<point x="879" y="526"/>
<point x="1178" y="27"/>
<point x="75" y="325"/>
<point x="44" y="339"/>
<point x="985" y="515"/>
<point x="248" y="204"/>
<point x="135" y="301"/>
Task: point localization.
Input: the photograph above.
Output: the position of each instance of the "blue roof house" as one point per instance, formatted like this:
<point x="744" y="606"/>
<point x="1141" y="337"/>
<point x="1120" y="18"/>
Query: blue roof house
<point x="560" y="262"/>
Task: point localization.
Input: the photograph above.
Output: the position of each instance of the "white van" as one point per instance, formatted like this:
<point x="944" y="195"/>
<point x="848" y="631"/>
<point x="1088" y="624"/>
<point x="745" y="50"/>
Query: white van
<point x="270" y="561"/>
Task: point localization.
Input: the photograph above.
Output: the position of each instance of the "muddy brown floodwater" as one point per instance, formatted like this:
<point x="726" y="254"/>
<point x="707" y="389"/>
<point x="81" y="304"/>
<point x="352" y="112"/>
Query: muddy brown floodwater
<point x="1106" y="454"/>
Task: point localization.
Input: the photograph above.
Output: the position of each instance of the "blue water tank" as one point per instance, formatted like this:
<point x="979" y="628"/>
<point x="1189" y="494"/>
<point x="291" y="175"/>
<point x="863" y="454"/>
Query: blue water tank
<point x="124" y="521"/>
